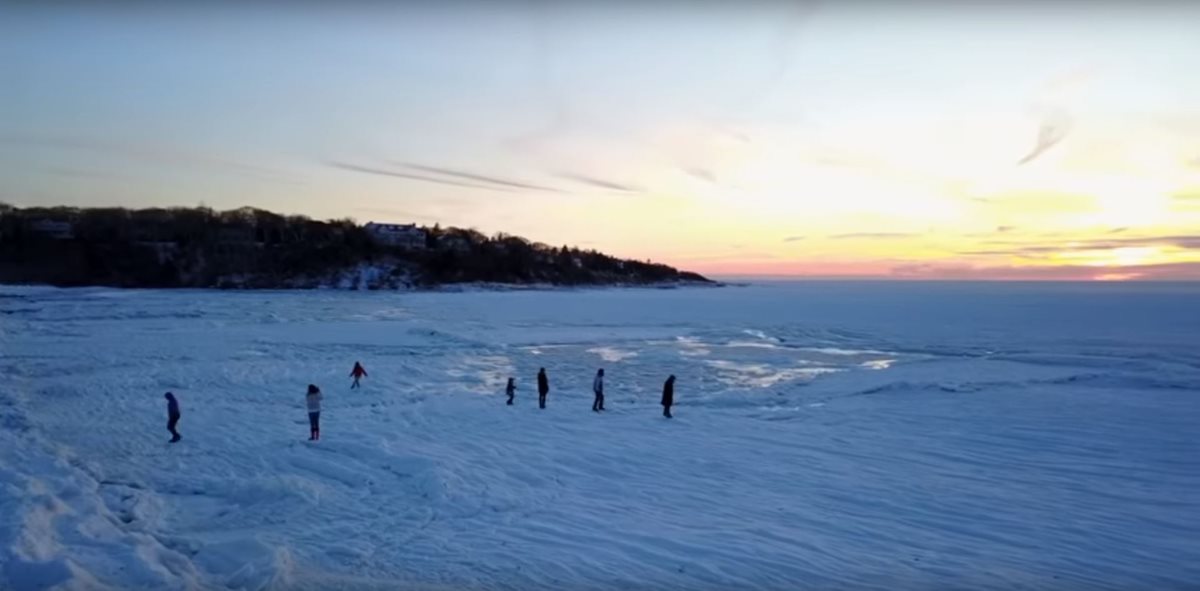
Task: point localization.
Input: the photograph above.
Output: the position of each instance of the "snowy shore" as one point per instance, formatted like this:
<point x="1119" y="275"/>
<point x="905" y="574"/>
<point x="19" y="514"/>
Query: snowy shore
<point x="826" y="436"/>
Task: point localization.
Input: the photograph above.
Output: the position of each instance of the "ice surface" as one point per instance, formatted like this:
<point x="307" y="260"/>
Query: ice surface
<point x="828" y="435"/>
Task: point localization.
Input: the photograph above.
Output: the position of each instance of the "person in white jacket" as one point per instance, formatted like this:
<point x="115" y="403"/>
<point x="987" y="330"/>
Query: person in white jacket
<point x="313" y="401"/>
<point x="598" y="389"/>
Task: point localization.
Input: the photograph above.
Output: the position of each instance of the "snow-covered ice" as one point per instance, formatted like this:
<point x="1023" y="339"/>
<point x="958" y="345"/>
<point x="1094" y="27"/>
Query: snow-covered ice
<point x="827" y="435"/>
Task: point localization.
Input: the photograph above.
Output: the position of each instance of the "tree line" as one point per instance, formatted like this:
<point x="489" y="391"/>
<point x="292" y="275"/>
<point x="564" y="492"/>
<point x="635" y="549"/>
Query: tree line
<point x="254" y="248"/>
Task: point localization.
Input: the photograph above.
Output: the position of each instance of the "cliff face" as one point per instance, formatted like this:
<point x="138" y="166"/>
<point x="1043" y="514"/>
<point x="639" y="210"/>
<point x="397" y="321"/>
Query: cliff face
<point x="250" y="248"/>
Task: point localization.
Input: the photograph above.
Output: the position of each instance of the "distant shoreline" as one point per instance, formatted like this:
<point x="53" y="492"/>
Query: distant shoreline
<point x="251" y="248"/>
<point x="449" y="288"/>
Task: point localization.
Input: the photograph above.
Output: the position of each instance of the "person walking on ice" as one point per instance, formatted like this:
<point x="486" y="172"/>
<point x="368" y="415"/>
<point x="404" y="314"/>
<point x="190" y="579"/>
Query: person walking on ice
<point x="510" y="390"/>
<point x="313" y="401"/>
<point x="668" y="397"/>
<point x="172" y="416"/>
<point x="598" y="390"/>
<point x="543" y="387"/>
<point x="357" y="373"/>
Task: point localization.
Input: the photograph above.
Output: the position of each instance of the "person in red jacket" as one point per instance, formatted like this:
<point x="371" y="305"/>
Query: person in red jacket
<point x="356" y="373"/>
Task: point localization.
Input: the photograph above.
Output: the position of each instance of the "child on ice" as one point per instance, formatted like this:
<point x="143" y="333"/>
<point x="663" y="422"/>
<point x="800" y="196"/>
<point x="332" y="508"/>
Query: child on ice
<point x="357" y="373"/>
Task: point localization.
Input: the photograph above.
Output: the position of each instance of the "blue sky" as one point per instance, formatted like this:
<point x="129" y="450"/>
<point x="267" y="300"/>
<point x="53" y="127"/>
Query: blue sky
<point x="725" y="138"/>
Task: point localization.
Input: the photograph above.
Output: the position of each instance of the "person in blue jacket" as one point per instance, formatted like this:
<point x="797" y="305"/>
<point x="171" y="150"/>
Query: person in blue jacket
<point x="598" y="390"/>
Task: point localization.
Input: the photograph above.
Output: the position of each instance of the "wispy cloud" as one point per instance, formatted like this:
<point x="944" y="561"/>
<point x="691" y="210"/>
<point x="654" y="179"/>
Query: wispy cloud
<point x="553" y="100"/>
<point x="1184" y="242"/>
<point x="79" y="173"/>
<point x="411" y="177"/>
<point x="1019" y="251"/>
<point x="155" y="153"/>
<point x="873" y="235"/>
<point x="941" y="271"/>
<point x="794" y="238"/>
<point x="780" y="55"/>
<point x="840" y="158"/>
<point x="1053" y="129"/>
<point x="1190" y="242"/>
<point x="920" y="269"/>
<point x="600" y="183"/>
<point x="738" y="255"/>
<point x="703" y="174"/>
<point x="472" y="176"/>
<point x="996" y="230"/>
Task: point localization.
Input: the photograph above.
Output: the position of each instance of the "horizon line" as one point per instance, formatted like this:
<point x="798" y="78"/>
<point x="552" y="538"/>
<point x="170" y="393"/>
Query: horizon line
<point x="883" y="278"/>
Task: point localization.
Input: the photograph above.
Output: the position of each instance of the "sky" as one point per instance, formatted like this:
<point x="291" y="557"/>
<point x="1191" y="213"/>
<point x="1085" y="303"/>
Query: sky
<point x="905" y="139"/>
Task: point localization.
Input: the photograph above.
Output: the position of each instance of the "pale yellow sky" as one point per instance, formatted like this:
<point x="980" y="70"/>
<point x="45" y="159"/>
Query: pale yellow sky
<point x="915" y="140"/>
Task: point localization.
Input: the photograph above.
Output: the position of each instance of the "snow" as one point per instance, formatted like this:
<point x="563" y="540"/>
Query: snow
<point x="827" y="435"/>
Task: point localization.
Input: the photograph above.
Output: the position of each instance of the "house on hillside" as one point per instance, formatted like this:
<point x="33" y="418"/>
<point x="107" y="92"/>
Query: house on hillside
<point x="403" y="235"/>
<point x="454" y="243"/>
<point x="54" y="229"/>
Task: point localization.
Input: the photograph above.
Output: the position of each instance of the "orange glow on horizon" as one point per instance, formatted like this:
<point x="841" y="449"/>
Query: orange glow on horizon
<point x="1117" y="276"/>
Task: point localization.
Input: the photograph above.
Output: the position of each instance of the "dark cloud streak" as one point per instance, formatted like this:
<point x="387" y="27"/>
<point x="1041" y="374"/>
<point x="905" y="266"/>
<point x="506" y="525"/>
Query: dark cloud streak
<point x="411" y="177"/>
<point x="600" y="183"/>
<point x="482" y="178"/>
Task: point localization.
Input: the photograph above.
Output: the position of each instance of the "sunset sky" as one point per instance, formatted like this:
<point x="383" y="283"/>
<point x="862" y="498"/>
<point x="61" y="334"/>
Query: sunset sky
<point x="1009" y="140"/>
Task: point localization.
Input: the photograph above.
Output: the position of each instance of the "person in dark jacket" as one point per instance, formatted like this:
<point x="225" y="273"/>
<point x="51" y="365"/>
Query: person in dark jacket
<point x="543" y="387"/>
<point x="668" y="396"/>
<point x="356" y="373"/>
<point x="172" y="416"/>
<point x="598" y="390"/>
<point x="510" y="390"/>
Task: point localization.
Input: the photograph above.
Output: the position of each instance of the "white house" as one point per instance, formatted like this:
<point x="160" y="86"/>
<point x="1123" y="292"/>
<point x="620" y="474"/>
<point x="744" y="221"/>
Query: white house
<point x="403" y="235"/>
